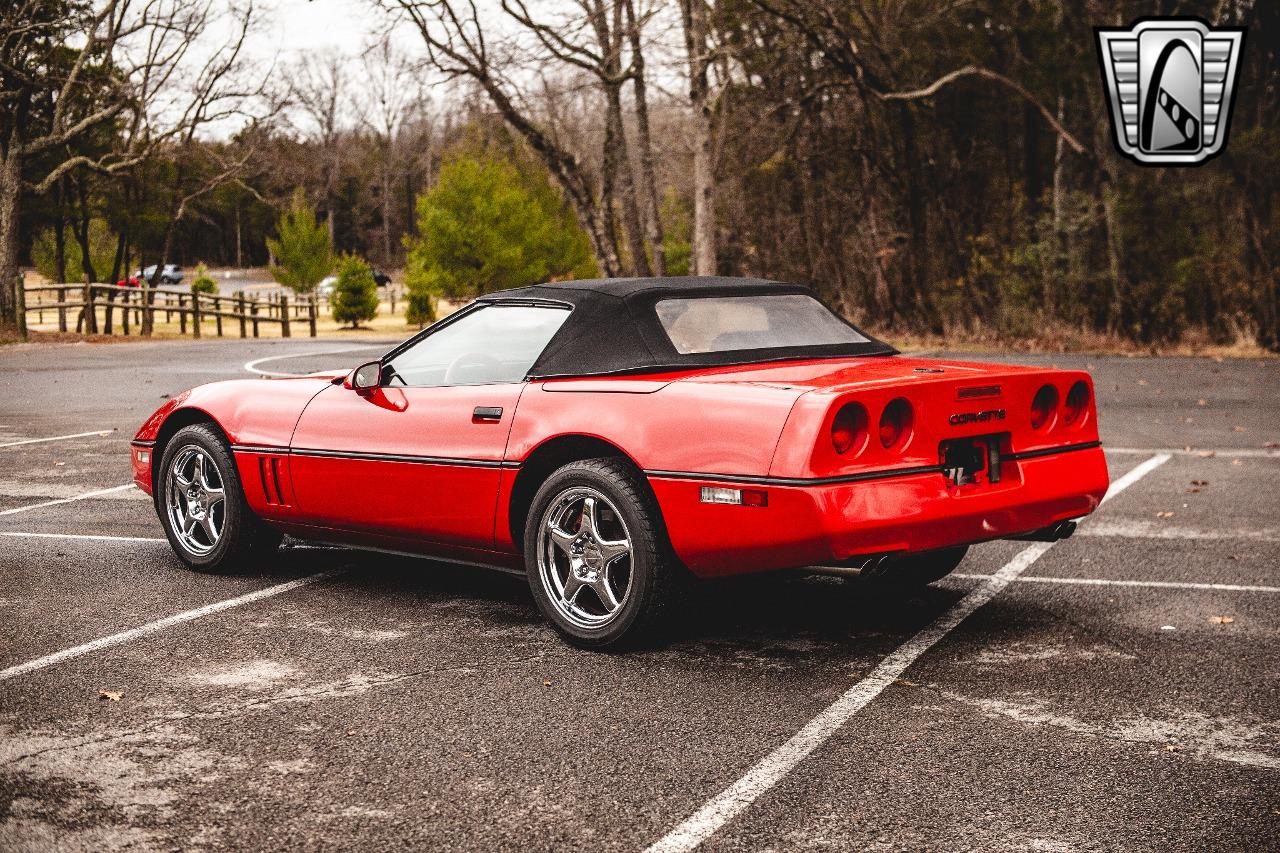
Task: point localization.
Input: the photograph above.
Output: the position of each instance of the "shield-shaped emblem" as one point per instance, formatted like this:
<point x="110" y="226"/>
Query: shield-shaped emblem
<point x="1170" y="82"/>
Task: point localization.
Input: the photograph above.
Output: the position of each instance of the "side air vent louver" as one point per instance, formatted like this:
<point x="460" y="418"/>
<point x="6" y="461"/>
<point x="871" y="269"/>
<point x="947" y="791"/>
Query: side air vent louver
<point x="269" y="471"/>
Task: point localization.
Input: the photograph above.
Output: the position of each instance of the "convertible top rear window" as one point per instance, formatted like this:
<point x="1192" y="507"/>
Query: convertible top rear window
<point x="728" y="323"/>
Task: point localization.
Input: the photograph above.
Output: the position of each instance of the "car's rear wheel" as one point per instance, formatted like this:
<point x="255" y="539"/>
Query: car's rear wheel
<point x="916" y="570"/>
<point x="597" y="556"/>
<point x="202" y="507"/>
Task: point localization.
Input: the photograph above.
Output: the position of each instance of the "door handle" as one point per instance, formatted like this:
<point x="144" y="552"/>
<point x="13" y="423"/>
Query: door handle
<point x="486" y="414"/>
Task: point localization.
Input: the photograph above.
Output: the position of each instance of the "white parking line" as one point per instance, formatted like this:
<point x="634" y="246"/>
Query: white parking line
<point x="101" y="432"/>
<point x="161" y="624"/>
<point x="770" y="770"/>
<point x="1225" y="452"/>
<point x="83" y="536"/>
<point x="252" y="366"/>
<point x="1223" y="587"/>
<point x="1143" y="529"/>
<point x="95" y="494"/>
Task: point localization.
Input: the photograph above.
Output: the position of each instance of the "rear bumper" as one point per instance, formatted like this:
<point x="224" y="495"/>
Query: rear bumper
<point x="814" y="524"/>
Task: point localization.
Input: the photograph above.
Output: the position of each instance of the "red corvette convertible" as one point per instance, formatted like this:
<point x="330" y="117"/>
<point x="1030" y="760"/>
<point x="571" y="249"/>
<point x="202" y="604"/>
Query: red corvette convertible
<point x="612" y="439"/>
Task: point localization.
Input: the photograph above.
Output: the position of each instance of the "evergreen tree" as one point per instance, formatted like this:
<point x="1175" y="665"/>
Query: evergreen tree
<point x="355" y="293"/>
<point x="485" y="226"/>
<point x="303" y="253"/>
<point x="203" y="282"/>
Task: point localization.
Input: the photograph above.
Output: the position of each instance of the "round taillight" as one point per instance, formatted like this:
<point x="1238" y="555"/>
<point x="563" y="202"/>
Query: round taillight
<point x="1043" y="406"/>
<point x="895" y="423"/>
<point x="849" y="429"/>
<point x="1077" y="404"/>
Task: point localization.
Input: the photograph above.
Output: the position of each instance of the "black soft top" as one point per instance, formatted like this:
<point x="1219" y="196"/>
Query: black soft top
<point x="614" y="327"/>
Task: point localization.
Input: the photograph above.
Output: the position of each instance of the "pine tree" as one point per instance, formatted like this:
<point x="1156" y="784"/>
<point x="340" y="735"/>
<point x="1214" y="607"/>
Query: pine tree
<point x="486" y="226"/>
<point x="355" y="293"/>
<point x="303" y="253"/>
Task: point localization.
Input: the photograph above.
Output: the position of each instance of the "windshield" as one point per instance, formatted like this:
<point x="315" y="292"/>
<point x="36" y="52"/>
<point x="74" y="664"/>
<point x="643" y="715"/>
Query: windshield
<point x="726" y="323"/>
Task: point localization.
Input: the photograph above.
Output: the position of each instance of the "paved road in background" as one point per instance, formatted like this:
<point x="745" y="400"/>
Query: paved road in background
<point x="1121" y="692"/>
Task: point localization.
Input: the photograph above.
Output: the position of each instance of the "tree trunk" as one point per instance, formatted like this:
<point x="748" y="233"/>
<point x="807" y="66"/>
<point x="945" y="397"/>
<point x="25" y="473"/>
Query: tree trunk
<point x="648" y="182"/>
<point x="10" y="198"/>
<point x="694" y="14"/>
<point x="917" y="223"/>
<point x="617" y="163"/>
<point x="1115" y="313"/>
<point x="386" y="210"/>
<point x="60" y="235"/>
<point x="1058" y="266"/>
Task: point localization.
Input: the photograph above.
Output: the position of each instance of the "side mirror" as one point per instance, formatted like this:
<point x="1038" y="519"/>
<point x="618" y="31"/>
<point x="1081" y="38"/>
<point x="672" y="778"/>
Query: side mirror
<point x="366" y="377"/>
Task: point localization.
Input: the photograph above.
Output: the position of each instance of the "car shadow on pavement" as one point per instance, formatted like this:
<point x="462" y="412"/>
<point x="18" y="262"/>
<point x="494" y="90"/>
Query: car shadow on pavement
<point x="793" y="610"/>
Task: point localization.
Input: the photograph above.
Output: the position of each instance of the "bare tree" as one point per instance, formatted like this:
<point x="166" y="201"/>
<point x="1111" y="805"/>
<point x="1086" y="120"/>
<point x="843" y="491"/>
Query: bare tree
<point x="598" y="49"/>
<point x="394" y="101"/>
<point x="224" y="90"/>
<point x="694" y="16"/>
<point x="319" y="90"/>
<point x="457" y="46"/>
<point x="648" y="183"/>
<point x="64" y="76"/>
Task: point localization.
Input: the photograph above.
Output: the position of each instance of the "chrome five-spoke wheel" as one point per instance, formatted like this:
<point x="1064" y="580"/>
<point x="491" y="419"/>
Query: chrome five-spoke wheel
<point x="584" y="557"/>
<point x="196" y="500"/>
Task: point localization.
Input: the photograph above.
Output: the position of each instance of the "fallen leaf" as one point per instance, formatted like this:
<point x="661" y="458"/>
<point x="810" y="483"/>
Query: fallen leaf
<point x="1205" y="454"/>
<point x="1238" y="428"/>
<point x="1236" y="462"/>
<point x="1199" y="482"/>
<point x="1222" y="620"/>
<point x="1272" y="445"/>
<point x="112" y="695"/>
<point x="350" y="732"/>
<point x="1142" y="382"/>
<point x="1202" y="402"/>
<point x="1188" y="420"/>
<point x="1193" y="491"/>
<point x="546" y="684"/>
<point x="1164" y="515"/>
<point x="1168" y="747"/>
<point x="1168" y="628"/>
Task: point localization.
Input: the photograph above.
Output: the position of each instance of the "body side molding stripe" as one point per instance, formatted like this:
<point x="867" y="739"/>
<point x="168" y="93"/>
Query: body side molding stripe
<point x="376" y="457"/>
<point x="861" y="477"/>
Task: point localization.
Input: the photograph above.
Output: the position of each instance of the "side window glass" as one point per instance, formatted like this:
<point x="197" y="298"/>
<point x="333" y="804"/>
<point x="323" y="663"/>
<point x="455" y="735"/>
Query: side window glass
<point x="494" y="344"/>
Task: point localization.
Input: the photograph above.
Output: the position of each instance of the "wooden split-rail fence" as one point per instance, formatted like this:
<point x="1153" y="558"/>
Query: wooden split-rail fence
<point x="81" y="304"/>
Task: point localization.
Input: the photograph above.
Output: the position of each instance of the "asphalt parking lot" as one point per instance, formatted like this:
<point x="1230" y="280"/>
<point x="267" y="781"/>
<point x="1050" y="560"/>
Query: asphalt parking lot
<point x="1120" y="689"/>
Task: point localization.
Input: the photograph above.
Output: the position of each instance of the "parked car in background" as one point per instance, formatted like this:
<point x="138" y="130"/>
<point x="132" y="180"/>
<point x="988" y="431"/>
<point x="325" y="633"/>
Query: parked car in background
<point x="131" y="281"/>
<point x="171" y="274"/>
<point x="380" y="278"/>
<point x="325" y="287"/>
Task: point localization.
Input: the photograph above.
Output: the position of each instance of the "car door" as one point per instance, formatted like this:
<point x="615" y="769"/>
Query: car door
<point x="420" y="456"/>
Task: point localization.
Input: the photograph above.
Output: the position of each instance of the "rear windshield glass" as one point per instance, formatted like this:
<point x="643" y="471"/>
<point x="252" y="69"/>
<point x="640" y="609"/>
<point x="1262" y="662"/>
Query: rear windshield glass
<point x="724" y="323"/>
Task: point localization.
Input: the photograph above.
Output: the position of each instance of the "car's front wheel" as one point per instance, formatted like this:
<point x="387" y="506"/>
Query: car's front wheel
<point x="202" y="506"/>
<point x="597" y="556"/>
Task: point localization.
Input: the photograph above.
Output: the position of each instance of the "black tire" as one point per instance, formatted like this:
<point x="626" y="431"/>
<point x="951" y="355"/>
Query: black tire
<point x="655" y="578"/>
<point x="916" y="570"/>
<point x="242" y="538"/>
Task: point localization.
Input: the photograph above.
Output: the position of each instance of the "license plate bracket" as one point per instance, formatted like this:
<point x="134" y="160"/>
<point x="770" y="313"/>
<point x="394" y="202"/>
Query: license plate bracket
<point x="971" y="461"/>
